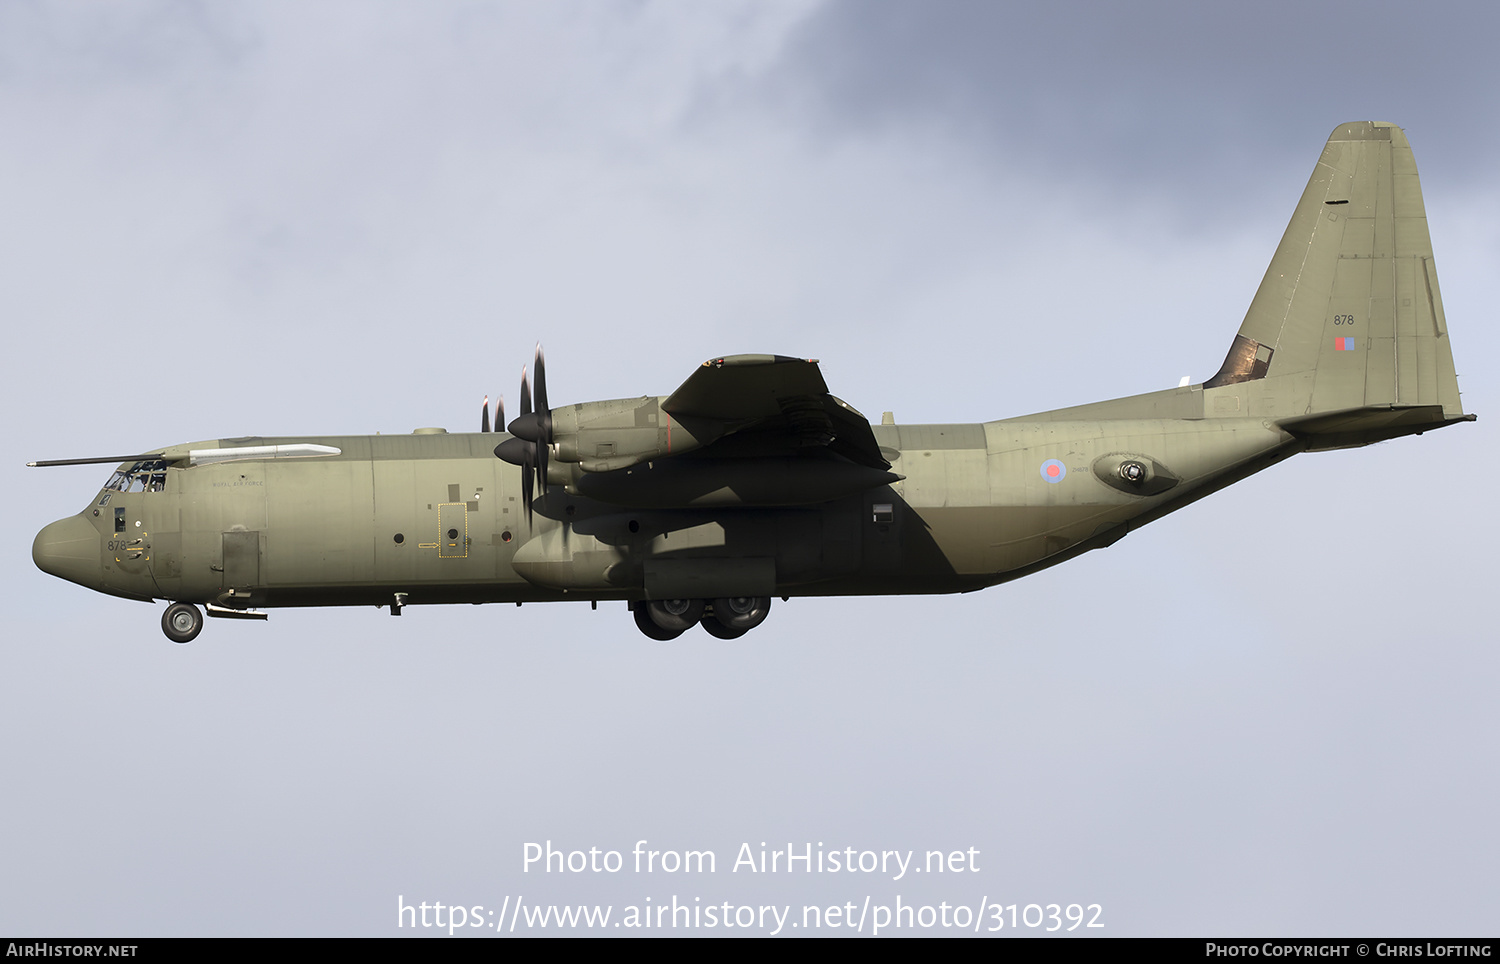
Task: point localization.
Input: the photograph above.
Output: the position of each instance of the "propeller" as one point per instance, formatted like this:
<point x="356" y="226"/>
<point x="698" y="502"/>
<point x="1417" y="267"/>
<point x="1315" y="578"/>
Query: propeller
<point x="531" y="434"/>
<point x="484" y="414"/>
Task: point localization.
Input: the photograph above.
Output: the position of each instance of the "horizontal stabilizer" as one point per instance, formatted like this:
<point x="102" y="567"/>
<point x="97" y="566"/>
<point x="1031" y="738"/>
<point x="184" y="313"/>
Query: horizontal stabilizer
<point x="1362" y="426"/>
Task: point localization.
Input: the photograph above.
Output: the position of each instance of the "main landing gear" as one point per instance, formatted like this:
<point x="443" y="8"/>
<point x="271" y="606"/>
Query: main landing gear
<point x="182" y="622"/>
<point x="729" y="617"/>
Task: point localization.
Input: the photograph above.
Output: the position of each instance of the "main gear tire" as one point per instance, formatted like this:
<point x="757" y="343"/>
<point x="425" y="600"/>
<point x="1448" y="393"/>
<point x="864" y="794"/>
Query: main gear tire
<point x="742" y="612"/>
<point x="718" y="630"/>
<point x="676" y="615"/>
<point x="647" y="625"/>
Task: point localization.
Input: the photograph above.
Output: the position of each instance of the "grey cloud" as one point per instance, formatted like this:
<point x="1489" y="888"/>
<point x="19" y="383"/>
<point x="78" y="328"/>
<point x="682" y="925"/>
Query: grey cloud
<point x="1095" y="89"/>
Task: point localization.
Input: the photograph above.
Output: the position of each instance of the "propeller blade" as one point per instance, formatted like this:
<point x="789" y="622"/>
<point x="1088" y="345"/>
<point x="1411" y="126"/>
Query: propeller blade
<point x="543" y="410"/>
<point x="526" y="468"/>
<point x="541" y="466"/>
<point x="500" y="413"/>
<point x="522" y="418"/>
<point x="541" y="382"/>
<point x="484" y="416"/>
<point x="543" y="417"/>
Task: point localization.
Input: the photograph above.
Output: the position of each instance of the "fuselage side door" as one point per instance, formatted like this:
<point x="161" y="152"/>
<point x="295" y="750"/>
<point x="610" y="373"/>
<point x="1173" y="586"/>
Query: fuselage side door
<point x="241" y="560"/>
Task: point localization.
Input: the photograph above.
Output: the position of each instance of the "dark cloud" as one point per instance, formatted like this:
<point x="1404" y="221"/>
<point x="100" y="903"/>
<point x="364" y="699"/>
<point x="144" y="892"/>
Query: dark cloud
<point x="1096" y="88"/>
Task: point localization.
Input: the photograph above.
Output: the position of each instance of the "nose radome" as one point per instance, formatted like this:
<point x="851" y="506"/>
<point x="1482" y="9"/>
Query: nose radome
<point x="69" y="549"/>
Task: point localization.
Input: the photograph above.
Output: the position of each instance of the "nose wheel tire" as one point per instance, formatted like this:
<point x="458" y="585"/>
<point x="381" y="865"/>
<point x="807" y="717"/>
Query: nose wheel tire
<point x="647" y="625"/>
<point x="182" y="622"/>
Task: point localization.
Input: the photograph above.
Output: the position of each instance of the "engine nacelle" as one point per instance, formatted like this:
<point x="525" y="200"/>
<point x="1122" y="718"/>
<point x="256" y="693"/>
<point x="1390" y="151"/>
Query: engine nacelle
<point x="619" y="433"/>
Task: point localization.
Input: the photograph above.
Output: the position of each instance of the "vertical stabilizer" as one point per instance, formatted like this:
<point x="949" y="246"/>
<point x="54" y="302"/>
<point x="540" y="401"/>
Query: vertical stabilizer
<point x="1349" y="315"/>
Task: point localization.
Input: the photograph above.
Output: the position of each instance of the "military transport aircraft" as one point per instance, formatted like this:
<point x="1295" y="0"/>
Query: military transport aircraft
<point x="751" y="481"/>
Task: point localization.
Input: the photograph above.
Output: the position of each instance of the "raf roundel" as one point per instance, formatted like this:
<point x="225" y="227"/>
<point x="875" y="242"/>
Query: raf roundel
<point x="1054" y="471"/>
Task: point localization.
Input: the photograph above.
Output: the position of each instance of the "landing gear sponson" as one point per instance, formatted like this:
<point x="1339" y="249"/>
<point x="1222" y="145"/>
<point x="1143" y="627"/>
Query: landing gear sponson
<point x="729" y="617"/>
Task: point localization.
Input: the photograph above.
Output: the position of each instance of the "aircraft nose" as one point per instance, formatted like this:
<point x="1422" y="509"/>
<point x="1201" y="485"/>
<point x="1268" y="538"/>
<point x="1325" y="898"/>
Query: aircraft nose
<point x="69" y="549"/>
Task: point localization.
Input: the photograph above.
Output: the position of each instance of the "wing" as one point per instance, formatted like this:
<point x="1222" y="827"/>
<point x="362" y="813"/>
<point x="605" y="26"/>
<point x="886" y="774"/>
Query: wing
<point x="773" y="405"/>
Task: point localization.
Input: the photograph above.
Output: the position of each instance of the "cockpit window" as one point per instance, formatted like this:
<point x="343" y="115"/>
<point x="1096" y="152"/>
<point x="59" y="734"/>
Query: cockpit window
<point x="148" y="476"/>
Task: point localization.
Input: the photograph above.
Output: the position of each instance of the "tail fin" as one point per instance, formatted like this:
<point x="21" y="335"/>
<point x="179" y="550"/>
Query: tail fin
<point x="1346" y="342"/>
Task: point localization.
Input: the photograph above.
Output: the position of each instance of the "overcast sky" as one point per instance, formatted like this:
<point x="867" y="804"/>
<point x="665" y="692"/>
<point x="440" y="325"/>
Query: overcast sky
<point x="1272" y="713"/>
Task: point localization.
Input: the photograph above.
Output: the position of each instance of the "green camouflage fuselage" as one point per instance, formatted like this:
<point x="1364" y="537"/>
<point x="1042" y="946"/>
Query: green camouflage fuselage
<point x="437" y="516"/>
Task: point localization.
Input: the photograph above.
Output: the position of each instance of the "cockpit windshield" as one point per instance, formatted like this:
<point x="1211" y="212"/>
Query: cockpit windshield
<point x="148" y="476"/>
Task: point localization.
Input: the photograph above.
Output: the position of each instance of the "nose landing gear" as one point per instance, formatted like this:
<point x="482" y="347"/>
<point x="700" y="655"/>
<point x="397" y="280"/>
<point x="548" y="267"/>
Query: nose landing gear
<point x="182" y="622"/>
